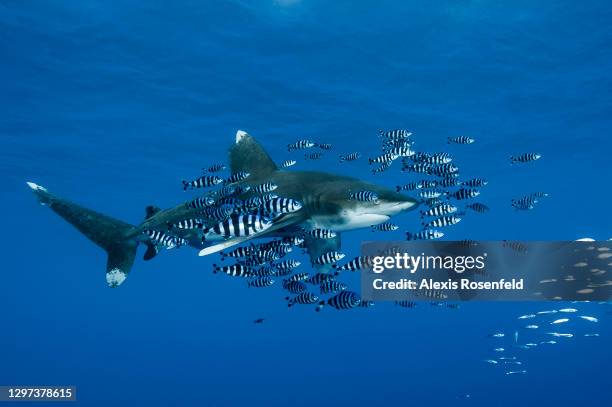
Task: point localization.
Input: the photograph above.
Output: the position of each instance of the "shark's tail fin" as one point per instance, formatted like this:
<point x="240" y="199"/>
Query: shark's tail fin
<point x="117" y="238"/>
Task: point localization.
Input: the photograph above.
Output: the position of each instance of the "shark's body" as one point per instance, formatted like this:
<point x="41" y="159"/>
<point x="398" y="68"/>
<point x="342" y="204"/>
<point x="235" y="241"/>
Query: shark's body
<point x="325" y="198"/>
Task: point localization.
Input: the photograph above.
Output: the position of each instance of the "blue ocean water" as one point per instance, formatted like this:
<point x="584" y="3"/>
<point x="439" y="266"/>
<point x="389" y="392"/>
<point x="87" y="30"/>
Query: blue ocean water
<point x="111" y="104"/>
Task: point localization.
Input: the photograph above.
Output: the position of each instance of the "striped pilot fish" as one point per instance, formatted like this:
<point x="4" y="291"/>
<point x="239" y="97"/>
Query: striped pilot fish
<point x="448" y="182"/>
<point x="444" y="170"/>
<point x="405" y="304"/>
<point x="384" y="167"/>
<point x="428" y="183"/>
<point x="525" y="203"/>
<point x="294" y="287"/>
<point x="304" y="298"/>
<point x="217" y="213"/>
<point x="440" y="210"/>
<point x="396" y="134"/>
<point x="358" y="263"/>
<point x="320" y="278"/>
<point x="187" y="224"/>
<point x="300" y="145"/>
<point x="241" y="189"/>
<point x="293" y="240"/>
<point x="228" y="191"/>
<point x="475" y="183"/>
<point x="478" y="207"/>
<point x="215" y="168"/>
<point x="419" y="168"/>
<point x="234" y="270"/>
<point x="237" y="177"/>
<point x="432" y="202"/>
<point x="431" y="193"/>
<point x="384" y="158"/>
<point x="436" y="158"/>
<point x="428" y="234"/>
<point x="163" y="239"/>
<point x="268" y="197"/>
<point x="364" y="196"/>
<point x="281" y="205"/>
<point x="252" y="202"/>
<point x="525" y="158"/>
<point x="296" y="277"/>
<point x="288" y="163"/>
<point x="325" y="146"/>
<point x="287" y="264"/>
<point x="202" y="182"/>
<point x="239" y="226"/>
<point x="261" y="282"/>
<point x="460" y="140"/>
<point x="401" y="151"/>
<point x="332" y="287"/>
<point x="281" y="272"/>
<point x="320" y="233"/>
<point x="241" y="251"/>
<point x="349" y="157"/>
<point x="328" y="258"/>
<point x="201" y="202"/>
<point x="428" y="293"/>
<point x="442" y="221"/>
<point x="388" y="144"/>
<point x="342" y="300"/>
<point x="464" y="193"/>
<point x="413" y="186"/>
<point x="385" y="227"/>
<point x="265" y="188"/>
<point x="270" y="245"/>
<point x="264" y="271"/>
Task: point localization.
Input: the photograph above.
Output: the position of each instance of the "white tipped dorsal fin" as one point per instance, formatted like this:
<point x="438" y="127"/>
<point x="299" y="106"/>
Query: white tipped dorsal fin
<point x="249" y="156"/>
<point x="35" y="187"/>
<point x="240" y="134"/>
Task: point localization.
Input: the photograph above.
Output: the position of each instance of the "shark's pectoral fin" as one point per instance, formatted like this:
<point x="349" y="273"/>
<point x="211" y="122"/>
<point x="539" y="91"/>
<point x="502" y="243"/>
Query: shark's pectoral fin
<point x="249" y="156"/>
<point x="223" y="245"/>
<point x="317" y="247"/>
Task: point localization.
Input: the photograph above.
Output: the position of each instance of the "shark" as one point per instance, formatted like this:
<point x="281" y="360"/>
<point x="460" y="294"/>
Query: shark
<point x="325" y="198"/>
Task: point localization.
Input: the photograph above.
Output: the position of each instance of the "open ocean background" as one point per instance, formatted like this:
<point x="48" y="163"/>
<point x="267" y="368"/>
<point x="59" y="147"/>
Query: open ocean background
<point x="111" y="104"/>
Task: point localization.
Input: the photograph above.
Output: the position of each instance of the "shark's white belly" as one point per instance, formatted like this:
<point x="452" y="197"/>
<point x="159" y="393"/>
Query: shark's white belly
<point x="348" y="221"/>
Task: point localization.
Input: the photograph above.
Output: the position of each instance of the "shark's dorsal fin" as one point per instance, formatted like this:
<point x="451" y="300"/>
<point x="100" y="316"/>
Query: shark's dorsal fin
<point x="249" y="156"/>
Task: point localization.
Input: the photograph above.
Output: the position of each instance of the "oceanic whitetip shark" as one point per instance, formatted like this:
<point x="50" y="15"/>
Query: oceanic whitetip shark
<point x="325" y="202"/>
